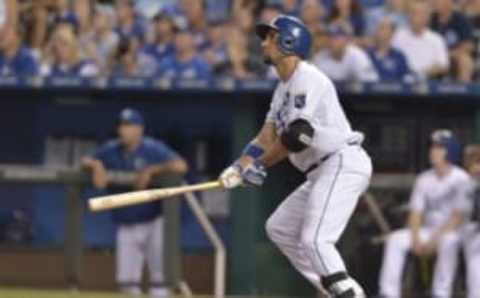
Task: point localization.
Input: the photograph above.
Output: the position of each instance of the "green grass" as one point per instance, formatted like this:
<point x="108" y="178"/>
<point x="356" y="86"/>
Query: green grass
<point x="29" y="293"/>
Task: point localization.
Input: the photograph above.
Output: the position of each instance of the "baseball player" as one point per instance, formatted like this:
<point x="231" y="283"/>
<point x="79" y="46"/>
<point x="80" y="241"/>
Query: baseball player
<point x="435" y="215"/>
<point x="471" y="230"/>
<point x="307" y="124"/>
<point x="140" y="228"/>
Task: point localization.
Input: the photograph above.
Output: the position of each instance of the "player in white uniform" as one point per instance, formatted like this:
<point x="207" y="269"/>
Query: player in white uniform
<point x="471" y="230"/>
<point x="307" y="124"/>
<point x="436" y="213"/>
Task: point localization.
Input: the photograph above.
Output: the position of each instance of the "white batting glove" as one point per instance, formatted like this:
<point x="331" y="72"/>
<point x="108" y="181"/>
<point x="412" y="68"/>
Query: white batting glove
<point x="231" y="177"/>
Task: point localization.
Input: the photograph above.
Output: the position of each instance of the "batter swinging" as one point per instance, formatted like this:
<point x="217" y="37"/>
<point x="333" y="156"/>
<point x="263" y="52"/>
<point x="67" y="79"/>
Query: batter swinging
<point x="307" y="124"/>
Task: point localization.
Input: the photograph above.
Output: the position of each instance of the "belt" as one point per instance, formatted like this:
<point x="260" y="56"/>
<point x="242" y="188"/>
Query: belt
<point x="323" y="159"/>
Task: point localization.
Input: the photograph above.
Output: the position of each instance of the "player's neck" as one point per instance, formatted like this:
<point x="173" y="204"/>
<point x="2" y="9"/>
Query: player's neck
<point x="286" y="67"/>
<point x="442" y="170"/>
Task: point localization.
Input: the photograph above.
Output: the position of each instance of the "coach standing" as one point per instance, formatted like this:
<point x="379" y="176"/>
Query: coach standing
<point x="140" y="228"/>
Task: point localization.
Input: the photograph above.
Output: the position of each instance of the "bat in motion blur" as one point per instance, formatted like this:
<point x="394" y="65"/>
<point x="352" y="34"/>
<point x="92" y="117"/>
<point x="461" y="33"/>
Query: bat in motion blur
<point x="145" y="196"/>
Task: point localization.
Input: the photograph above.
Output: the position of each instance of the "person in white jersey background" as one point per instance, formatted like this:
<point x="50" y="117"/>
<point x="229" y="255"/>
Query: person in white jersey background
<point x="307" y="124"/>
<point x="436" y="213"/>
<point x="471" y="229"/>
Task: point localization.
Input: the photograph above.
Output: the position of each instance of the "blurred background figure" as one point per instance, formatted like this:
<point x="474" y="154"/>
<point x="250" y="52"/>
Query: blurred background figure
<point x="426" y="51"/>
<point x="216" y="49"/>
<point x="342" y="60"/>
<point x="128" y="61"/>
<point x="164" y="29"/>
<point x="128" y="23"/>
<point x="63" y="57"/>
<point x="8" y="16"/>
<point x="65" y="14"/>
<point x="471" y="231"/>
<point x="457" y="31"/>
<point x="15" y="58"/>
<point x="186" y="63"/>
<point x="101" y="43"/>
<point x="436" y="213"/>
<point x="139" y="228"/>
<point x="390" y="64"/>
<point x="312" y="13"/>
<point x="395" y="10"/>
<point x="348" y="14"/>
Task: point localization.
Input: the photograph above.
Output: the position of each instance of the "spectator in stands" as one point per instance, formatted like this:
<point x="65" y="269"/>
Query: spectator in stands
<point x="344" y="61"/>
<point x="320" y="38"/>
<point x="186" y="63"/>
<point x="216" y="50"/>
<point x="269" y="12"/>
<point x="471" y="230"/>
<point x="101" y="43"/>
<point x="291" y="7"/>
<point x="127" y="23"/>
<point x="312" y="13"/>
<point x="242" y="65"/>
<point x="426" y="51"/>
<point x="197" y="21"/>
<point x="64" y="14"/>
<point x="16" y="59"/>
<point x="129" y="61"/>
<point x="396" y="10"/>
<point x="10" y="17"/>
<point x="390" y="63"/>
<point x="348" y="13"/>
<point x="457" y="32"/>
<point x="63" y="56"/>
<point x="164" y="31"/>
<point x="436" y="213"/>
<point x="140" y="228"/>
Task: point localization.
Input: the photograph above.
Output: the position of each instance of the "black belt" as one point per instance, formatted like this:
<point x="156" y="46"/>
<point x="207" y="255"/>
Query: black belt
<point x="323" y="159"/>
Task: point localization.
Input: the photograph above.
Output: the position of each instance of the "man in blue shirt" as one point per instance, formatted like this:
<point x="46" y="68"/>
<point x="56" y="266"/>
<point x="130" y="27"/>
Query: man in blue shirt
<point x="15" y="59"/>
<point x="185" y="63"/>
<point x="458" y="34"/>
<point x="390" y="63"/>
<point x="140" y="227"/>
<point x="128" y="24"/>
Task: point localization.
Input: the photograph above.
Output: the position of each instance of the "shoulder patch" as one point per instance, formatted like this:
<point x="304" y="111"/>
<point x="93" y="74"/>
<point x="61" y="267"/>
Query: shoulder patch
<point x="300" y="101"/>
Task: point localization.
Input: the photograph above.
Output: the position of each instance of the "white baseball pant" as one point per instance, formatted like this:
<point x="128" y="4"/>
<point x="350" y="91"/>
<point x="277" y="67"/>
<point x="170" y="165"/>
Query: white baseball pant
<point x="307" y="225"/>
<point x="136" y="244"/>
<point x="471" y="244"/>
<point x="397" y="247"/>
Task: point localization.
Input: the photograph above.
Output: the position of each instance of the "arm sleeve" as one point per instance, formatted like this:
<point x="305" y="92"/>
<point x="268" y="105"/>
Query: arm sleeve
<point x="442" y="52"/>
<point x="163" y="153"/>
<point x="102" y="152"/>
<point x="272" y="111"/>
<point x="464" y="199"/>
<point x="364" y="71"/>
<point x="307" y="98"/>
<point x="417" y="199"/>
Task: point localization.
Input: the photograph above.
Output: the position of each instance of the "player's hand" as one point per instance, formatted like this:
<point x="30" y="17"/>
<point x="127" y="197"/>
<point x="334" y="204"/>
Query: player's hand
<point x="231" y="177"/>
<point x="417" y="248"/>
<point x="254" y="173"/>
<point x="143" y="179"/>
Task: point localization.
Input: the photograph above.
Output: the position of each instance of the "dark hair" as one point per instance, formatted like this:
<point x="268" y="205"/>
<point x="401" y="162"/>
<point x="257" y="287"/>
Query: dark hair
<point x="355" y="8"/>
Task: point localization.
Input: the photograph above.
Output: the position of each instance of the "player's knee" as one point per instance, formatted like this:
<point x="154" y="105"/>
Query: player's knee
<point x="312" y="243"/>
<point x="398" y="239"/>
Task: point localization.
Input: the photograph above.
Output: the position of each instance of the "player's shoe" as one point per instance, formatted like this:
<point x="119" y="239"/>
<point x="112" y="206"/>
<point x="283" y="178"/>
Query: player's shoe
<point x="340" y="285"/>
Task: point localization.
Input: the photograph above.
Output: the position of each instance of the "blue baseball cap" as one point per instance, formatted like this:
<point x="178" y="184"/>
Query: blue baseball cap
<point x="131" y="116"/>
<point x="337" y="30"/>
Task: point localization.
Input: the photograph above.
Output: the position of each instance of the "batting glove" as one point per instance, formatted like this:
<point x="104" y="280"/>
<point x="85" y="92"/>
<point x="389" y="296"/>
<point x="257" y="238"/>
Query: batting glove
<point x="231" y="177"/>
<point x="255" y="173"/>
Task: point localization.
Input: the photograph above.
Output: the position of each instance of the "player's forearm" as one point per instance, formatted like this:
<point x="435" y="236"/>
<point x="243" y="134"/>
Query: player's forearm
<point x="274" y="154"/>
<point x="415" y="223"/>
<point x="175" y="166"/>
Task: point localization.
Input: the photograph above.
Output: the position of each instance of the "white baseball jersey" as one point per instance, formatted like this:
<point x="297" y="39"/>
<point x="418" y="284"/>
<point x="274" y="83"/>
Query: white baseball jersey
<point x="355" y="65"/>
<point x="437" y="197"/>
<point x="311" y="95"/>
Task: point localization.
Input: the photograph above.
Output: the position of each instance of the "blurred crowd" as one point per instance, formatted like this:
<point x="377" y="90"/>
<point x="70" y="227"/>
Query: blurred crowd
<point x="353" y="40"/>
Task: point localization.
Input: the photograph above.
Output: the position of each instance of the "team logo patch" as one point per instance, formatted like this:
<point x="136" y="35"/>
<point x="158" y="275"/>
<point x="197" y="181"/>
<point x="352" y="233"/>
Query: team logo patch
<point x="300" y="101"/>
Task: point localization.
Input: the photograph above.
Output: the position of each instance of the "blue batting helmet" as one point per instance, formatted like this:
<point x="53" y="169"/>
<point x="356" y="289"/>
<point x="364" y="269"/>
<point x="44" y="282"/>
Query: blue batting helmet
<point x="293" y="36"/>
<point x="445" y="138"/>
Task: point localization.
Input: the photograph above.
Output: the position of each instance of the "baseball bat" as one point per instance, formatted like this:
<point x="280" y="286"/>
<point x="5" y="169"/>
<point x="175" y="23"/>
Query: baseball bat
<point x="144" y="196"/>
